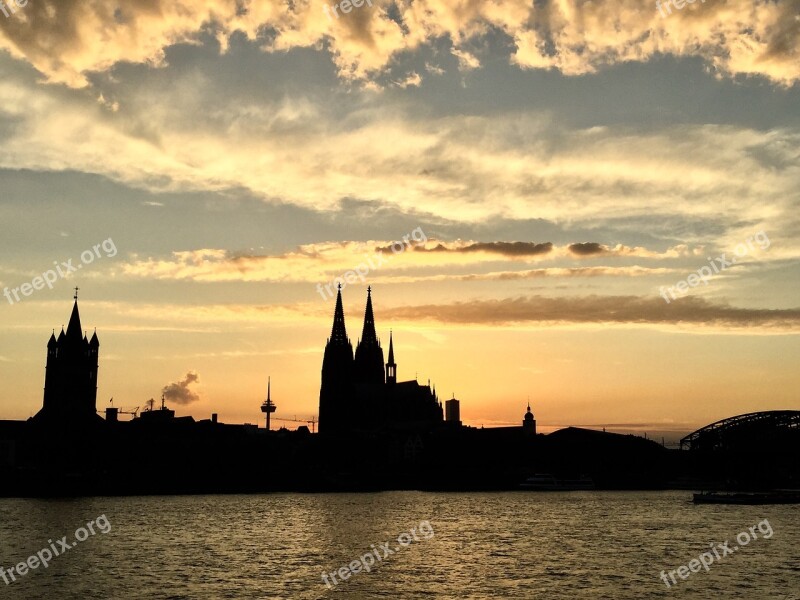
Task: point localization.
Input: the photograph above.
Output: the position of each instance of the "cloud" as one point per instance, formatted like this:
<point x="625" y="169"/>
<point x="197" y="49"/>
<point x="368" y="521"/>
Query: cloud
<point x="434" y="70"/>
<point x="322" y="261"/>
<point x="595" y="249"/>
<point x="634" y="271"/>
<point x="463" y="168"/>
<point x="466" y="61"/>
<point x="599" y="310"/>
<point x="65" y="41"/>
<point x="503" y="248"/>
<point x="412" y="80"/>
<point x="688" y="314"/>
<point x="588" y="249"/>
<point x="179" y="392"/>
<point x="756" y="37"/>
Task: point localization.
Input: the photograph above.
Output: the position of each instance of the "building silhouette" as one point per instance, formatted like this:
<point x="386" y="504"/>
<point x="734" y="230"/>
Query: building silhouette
<point x="336" y="402"/>
<point x="70" y="385"/>
<point x="360" y="392"/>
<point x="68" y="449"/>
<point x="528" y="422"/>
<point x="453" y="411"/>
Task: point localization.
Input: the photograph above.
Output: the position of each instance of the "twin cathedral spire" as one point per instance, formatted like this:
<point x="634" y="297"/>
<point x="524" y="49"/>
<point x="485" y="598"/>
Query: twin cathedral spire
<point x="367" y="364"/>
<point x="359" y="390"/>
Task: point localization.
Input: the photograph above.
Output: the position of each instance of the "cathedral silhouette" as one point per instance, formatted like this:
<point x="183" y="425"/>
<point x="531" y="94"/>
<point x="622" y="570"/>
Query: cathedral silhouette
<point x="68" y="449"/>
<point x="360" y="392"/>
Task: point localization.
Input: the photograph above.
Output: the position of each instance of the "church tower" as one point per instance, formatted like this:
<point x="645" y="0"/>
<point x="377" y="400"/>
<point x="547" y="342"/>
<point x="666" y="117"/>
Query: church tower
<point x="369" y="354"/>
<point x="391" y="366"/>
<point x="70" y="385"/>
<point x="528" y="422"/>
<point x="336" y="393"/>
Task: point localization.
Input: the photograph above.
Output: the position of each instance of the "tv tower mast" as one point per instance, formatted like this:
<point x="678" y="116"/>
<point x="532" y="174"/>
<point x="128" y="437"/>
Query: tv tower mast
<point x="268" y="407"/>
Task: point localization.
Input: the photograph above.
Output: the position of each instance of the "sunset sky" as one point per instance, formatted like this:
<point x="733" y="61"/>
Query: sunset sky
<point x="560" y="162"/>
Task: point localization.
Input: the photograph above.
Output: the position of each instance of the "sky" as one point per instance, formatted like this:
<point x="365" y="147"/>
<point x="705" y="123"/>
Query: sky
<point x="599" y="202"/>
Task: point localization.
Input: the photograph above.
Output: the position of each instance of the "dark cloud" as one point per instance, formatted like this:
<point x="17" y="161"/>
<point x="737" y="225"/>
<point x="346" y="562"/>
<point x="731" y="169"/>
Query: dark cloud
<point x="179" y="392"/>
<point x="511" y="248"/>
<point x="588" y="249"/>
<point x="562" y="272"/>
<point x="785" y="34"/>
<point x="503" y="248"/>
<point x="600" y="309"/>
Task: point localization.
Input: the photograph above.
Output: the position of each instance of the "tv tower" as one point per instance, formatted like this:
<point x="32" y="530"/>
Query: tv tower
<point x="268" y="407"/>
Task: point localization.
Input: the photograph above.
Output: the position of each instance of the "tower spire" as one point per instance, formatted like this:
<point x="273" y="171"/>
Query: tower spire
<point x="391" y="366"/>
<point x="368" y="335"/>
<point x="338" y="331"/>
<point x="74" y="328"/>
<point x="369" y="365"/>
<point x="336" y="392"/>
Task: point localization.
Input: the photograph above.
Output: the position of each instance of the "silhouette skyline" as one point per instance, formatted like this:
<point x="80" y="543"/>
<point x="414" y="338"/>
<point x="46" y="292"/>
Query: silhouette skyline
<point x="360" y="402"/>
<point x="361" y="368"/>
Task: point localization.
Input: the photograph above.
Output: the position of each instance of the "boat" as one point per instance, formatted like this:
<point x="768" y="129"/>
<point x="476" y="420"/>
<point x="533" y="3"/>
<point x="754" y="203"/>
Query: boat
<point x="752" y="498"/>
<point x="549" y="483"/>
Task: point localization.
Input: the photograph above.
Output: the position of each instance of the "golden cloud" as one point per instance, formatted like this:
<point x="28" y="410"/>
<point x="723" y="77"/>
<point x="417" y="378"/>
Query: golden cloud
<point x="693" y="311"/>
<point x="312" y="263"/>
<point x="756" y="37"/>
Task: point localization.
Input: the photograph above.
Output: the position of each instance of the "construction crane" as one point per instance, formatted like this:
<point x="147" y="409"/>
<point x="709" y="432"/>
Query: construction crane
<point x="312" y="422"/>
<point x="134" y="412"/>
<point x="119" y="411"/>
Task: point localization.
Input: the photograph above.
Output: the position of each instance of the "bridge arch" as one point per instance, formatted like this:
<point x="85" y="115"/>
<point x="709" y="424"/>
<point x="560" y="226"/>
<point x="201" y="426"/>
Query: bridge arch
<point x="734" y="430"/>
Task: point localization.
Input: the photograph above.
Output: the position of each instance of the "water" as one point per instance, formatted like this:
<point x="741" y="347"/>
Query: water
<point x="556" y="545"/>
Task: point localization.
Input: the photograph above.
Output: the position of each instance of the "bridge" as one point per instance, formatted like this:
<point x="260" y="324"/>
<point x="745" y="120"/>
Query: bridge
<point x="750" y="428"/>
